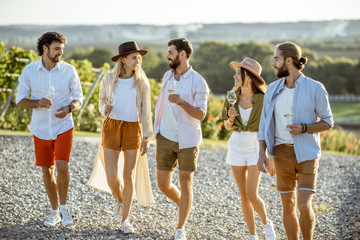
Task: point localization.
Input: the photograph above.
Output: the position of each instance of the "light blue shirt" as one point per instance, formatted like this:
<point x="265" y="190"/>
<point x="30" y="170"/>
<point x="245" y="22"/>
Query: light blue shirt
<point x="310" y="105"/>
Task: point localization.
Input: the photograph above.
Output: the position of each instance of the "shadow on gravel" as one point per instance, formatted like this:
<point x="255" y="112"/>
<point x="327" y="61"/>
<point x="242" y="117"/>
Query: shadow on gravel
<point x="35" y="230"/>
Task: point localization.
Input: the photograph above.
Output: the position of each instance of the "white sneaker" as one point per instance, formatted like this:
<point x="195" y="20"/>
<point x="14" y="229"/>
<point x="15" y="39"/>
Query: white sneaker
<point x="269" y="230"/>
<point x="66" y="219"/>
<point x="118" y="211"/>
<point x="175" y="221"/>
<point x="126" y="227"/>
<point x="53" y="219"/>
<point x="180" y="234"/>
<point x="253" y="237"/>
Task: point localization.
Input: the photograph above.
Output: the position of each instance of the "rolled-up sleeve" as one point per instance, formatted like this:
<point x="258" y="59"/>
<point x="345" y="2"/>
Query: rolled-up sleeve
<point x="75" y="87"/>
<point x="23" y="89"/>
<point x="201" y="95"/>
<point x="322" y="106"/>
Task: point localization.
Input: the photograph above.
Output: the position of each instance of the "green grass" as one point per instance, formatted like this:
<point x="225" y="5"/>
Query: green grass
<point x="207" y="143"/>
<point x="27" y="133"/>
<point x="345" y="110"/>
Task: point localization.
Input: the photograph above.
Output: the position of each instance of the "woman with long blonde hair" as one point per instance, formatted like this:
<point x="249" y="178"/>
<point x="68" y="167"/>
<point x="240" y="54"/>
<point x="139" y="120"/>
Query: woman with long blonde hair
<point x="124" y="100"/>
<point x="243" y="117"/>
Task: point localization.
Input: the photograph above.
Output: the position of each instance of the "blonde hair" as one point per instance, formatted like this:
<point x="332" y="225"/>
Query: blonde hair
<point x="140" y="78"/>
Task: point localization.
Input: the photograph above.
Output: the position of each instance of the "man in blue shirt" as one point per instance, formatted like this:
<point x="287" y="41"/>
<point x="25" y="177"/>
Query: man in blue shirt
<point x="296" y="109"/>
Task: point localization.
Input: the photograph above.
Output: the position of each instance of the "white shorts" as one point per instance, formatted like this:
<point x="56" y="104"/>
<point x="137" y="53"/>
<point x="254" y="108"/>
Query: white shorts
<point x="243" y="149"/>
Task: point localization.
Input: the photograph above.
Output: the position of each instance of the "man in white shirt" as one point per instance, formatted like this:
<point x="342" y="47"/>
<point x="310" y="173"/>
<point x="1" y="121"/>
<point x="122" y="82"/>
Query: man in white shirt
<point x="55" y="92"/>
<point x="180" y="108"/>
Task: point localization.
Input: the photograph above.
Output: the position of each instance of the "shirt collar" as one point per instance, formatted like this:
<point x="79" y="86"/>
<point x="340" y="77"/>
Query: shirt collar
<point x="41" y="66"/>
<point x="186" y="74"/>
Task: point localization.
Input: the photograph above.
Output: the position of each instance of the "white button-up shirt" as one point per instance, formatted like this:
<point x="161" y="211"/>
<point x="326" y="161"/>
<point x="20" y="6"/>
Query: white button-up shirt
<point x="37" y="81"/>
<point x="193" y="88"/>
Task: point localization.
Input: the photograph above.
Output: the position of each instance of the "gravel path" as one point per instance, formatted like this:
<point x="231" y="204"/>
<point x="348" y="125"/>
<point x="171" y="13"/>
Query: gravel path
<point x="216" y="212"/>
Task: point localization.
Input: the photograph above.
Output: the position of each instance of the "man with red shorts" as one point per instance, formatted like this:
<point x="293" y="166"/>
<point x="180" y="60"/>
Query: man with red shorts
<point x="55" y="92"/>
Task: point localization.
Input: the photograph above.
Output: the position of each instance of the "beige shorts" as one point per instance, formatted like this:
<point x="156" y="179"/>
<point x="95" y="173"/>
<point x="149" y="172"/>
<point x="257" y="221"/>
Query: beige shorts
<point x="168" y="155"/>
<point x="289" y="171"/>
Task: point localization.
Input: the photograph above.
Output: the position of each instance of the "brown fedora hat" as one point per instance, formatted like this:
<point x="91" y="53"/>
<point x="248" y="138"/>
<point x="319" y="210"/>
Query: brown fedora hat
<point x="128" y="47"/>
<point x="251" y="65"/>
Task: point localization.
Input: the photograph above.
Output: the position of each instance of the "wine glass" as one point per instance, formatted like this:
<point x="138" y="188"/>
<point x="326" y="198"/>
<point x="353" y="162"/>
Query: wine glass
<point x="231" y="97"/>
<point x="50" y="94"/>
<point x="171" y="88"/>
<point x="288" y="117"/>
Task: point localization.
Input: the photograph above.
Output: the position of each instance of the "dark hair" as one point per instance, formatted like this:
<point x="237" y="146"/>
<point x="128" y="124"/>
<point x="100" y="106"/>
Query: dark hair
<point x="290" y="49"/>
<point x="182" y="44"/>
<point x="257" y="85"/>
<point x="47" y="39"/>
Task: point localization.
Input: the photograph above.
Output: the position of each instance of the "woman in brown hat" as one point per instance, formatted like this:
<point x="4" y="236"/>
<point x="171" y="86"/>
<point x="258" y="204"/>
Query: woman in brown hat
<point x="121" y="165"/>
<point x="243" y="118"/>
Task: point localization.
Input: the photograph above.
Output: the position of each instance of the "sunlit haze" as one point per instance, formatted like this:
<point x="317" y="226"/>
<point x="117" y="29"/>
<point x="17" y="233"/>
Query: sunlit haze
<point x="162" y="12"/>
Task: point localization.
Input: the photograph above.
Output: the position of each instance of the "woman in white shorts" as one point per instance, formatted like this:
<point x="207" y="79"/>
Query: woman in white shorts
<point x="243" y="146"/>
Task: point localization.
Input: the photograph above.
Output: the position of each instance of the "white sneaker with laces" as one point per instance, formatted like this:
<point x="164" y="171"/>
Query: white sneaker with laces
<point x="174" y="222"/>
<point x="253" y="237"/>
<point x="118" y="211"/>
<point x="126" y="227"/>
<point x="66" y="219"/>
<point x="180" y="234"/>
<point x="269" y="230"/>
<point x="53" y="219"/>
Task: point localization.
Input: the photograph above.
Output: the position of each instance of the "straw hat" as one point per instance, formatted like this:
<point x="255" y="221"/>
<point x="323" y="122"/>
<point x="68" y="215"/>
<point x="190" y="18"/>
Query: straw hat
<point x="126" y="48"/>
<point x="251" y="65"/>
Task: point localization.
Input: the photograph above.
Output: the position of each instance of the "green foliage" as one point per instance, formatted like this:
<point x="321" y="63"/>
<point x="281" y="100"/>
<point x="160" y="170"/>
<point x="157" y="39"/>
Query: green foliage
<point x="340" y="141"/>
<point x="98" y="56"/>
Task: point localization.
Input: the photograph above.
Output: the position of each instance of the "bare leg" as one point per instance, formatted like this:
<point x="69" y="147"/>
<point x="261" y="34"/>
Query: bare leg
<point x="62" y="180"/>
<point x="50" y="186"/>
<point x="164" y="181"/>
<point x="258" y="204"/>
<point x="111" y="158"/>
<point x="240" y="175"/>
<point x="307" y="216"/>
<point x="186" y="197"/>
<point x="128" y="174"/>
<point x="290" y="220"/>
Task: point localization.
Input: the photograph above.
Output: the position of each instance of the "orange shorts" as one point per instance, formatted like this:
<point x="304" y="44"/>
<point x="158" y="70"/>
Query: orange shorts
<point x="121" y="135"/>
<point x="289" y="171"/>
<point x="46" y="151"/>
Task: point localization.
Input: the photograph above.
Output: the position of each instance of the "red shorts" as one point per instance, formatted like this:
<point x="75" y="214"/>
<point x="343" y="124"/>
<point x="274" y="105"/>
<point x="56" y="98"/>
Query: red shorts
<point x="46" y="151"/>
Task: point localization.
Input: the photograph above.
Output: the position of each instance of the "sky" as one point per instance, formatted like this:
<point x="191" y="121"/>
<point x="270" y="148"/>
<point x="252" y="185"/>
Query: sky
<point x="167" y="12"/>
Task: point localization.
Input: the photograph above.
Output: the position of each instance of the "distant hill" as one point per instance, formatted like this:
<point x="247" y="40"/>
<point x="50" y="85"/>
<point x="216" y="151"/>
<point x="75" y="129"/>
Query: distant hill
<point x="347" y="31"/>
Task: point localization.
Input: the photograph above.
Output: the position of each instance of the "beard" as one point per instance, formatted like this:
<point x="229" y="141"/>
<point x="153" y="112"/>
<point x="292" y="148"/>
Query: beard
<point x="175" y="63"/>
<point x="282" y="71"/>
<point x="54" y="59"/>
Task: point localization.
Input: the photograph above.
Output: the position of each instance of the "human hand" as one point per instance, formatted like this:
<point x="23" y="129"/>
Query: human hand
<point x="271" y="167"/>
<point x="262" y="163"/>
<point x="62" y="112"/>
<point x="295" y="129"/>
<point x="144" y="146"/>
<point x="45" y="103"/>
<point x="175" y="98"/>
<point x="108" y="109"/>
<point x="232" y="113"/>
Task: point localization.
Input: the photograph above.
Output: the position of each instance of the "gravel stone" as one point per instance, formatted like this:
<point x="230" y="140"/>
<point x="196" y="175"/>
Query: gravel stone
<point x="216" y="212"/>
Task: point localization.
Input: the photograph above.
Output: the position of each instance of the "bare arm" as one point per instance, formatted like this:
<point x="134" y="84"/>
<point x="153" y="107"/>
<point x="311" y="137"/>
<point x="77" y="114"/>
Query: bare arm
<point x="263" y="159"/>
<point x="65" y="110"/>
<point x="28" y="103"/>
<point x="311" y="128"/>
<point x="194" y="112"/>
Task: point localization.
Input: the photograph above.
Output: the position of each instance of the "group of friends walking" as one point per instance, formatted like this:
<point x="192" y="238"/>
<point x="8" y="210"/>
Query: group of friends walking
<point x="275" y="130"/>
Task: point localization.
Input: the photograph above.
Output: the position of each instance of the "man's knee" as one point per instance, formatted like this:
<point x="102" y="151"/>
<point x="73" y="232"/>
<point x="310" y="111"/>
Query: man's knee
<point x="62" y="167"/>
<point x="48" y="172"/>
<point x="304" y="201"/>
